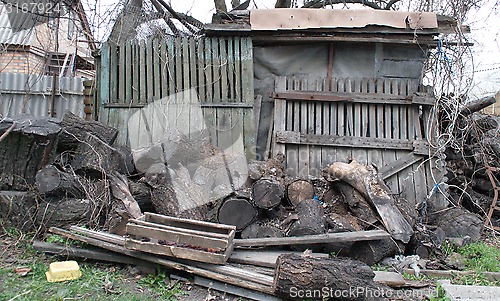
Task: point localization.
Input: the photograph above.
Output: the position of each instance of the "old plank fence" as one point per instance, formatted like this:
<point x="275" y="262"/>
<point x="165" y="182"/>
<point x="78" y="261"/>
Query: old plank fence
<point x="219" y="70"/>
<point x="383" y="122"/>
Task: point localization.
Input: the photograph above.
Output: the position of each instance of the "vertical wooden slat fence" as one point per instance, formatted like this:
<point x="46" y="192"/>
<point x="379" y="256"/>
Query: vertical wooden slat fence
<point x="381" y="122"/>
<point x="220" y="70"/>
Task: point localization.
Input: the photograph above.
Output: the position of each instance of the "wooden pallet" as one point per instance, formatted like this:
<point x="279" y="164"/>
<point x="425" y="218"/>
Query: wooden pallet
<point x="181" y="238"/>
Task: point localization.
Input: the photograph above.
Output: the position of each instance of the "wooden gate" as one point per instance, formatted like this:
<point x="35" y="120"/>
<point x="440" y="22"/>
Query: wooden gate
<point x="383" y="122"/>
<point x="219" y="70"/>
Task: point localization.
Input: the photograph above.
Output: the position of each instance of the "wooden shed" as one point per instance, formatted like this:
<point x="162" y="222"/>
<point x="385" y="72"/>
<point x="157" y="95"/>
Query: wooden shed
<point x="316" y="85"/>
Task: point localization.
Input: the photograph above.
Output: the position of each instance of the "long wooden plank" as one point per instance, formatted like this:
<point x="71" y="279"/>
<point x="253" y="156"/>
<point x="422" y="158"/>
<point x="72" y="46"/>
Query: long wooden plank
<point x="143" y="86"/>
<point x="134" y="48"/>
<point x="176" y="236"/>
<point x="150" y="73"/>
<point x="200" y="65"/>
<point x="186" y="80"/>
<point x="399" y="165"/>
<point x="166" y="262"/>
<point x="123" y="71"/>
<point x="289" y="137"/>
<point x="237" y="70"/>
<point x="113" y="73"/>
<point x="232" y="289"/>
<point x="279" y="115"/>
<point x="157" y="70"/>
<point x="164" y="62"/>
<point x="354" y="97"/>
<point x="178" y="65"/>
<point x="312" y="239"/>
<point x="216" y="65"/>
<point x="105" y="75"/>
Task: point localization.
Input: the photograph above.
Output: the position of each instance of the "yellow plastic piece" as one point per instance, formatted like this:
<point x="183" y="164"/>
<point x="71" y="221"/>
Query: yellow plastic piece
<point x="63" y="270"/>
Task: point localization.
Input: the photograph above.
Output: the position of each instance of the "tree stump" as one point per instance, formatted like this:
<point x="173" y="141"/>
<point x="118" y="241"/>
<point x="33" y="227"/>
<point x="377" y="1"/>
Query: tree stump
<point x="309" y="222"/>
<point x="299" y="190"/>
<point x="28" y="147"/>
<point x="237" y="211"/>
<point x="51" y="181"/>
<point x="267" y="193"/>
<point x="307" y="278"/>
<point x="457" y="222"/>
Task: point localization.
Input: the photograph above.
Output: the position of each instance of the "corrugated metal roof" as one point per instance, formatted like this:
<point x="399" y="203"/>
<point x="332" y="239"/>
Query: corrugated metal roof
<point x="17" y="26"/>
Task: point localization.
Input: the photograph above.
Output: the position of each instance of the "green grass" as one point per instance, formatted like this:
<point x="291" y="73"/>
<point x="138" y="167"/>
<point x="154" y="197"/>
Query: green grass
<point x="101" y="282"/>
<point x="481" y="257"/>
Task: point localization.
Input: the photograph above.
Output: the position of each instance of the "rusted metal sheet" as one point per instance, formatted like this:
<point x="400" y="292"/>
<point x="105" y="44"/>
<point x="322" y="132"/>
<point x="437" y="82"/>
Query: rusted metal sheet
<point x="306" y="18"/>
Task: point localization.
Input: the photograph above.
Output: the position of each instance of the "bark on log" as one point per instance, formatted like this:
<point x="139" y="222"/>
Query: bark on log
<point x="371" y="252"/>
<point x="299" y="190"/>
<point x="309" y="222"/>
<point x="338" y="275"/>
<point x="256" y="230"/>
<point x="51" y="181"/>
<point x="366" y="180"/>
<point x="142" y="194"/>
<point x="357" y="204"/>
<point x="18" y="210"/>
<point x="26" y="149"/>
<point x="75" y="130"/>
<point x="120" y="190"/>
<point x="477" y="105"/>
<point x="237" y="211"/>
<point x="95" y="158"/>
<point x="64" y="212"/>
<point x="267" y="193"/>
<point x="457" y="222"/>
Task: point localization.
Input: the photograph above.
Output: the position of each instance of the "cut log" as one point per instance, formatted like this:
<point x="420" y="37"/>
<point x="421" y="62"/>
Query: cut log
<point x="95" y="158"/>
<point x="366" y="180"/>
<point x="124" y="207"/>
<point x="237" y="211"/>
<point x="357" y="204"/>
<point x="28" y="147"/>
<point x="299" y="190"/>
<point x="457" y="222"/>
<point x="337" y="223"/>
<point x="267" y="193"/>
<point x="51" y="181"/>
<point x="62" y="212"/>
<point x="256" y="231"/>
<point x="142" y="194"/>
<point x="309" y="222"/>
<point x="477" y="105"/>
<point x="371" y="252"/>
<point x="75" y="130"/>
<point x="296" y="273"/>
<point x="255" y="169"/>
<point x="18" y="210"/>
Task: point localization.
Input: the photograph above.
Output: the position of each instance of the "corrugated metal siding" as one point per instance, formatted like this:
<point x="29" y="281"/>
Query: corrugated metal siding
<point x="25" y="94"/>
<point x="16" y="27"/>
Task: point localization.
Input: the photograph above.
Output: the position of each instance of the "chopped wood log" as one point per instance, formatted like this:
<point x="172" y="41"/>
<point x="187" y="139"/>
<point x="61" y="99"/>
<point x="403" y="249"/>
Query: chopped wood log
<point x="312" y="239"/>
<point x="256" y="231"/>
<point x="477" y="105"/>
<point x="75" y="130"/>
<point x="28" y="147"/>
<point x="371" y="252"/>
<point x="309" y="222"/>
<point x="18" y="210"/>
<point x="267" y="193"/>
<point x="125" y="207"/>
<point x="338" y="275"/>
<point x="299" y="190"/>
<point x="61" y="212"/>
<point x="95" y="158"/>
<point x="142" y="194"/>
<point x="337" y="223"/>
<point x="457" y="222"/>
<point x="357" y="204"/>
<point x="237" y="211"/>
<point x="51" y="181"/>
<point x="366" y="180"/>
<point x="255" y="169"/>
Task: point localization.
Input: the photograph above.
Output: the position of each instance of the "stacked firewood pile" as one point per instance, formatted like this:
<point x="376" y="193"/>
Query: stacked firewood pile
<point x="467" y="164"/>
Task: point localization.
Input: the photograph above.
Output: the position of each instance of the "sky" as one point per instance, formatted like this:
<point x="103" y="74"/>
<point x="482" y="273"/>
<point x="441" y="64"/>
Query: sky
<point x="485" y="34"/>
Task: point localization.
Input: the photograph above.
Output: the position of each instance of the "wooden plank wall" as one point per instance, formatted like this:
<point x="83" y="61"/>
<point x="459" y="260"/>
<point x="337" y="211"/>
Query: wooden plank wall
<point x="379" y="131"/>
<point x="220" y="70"/>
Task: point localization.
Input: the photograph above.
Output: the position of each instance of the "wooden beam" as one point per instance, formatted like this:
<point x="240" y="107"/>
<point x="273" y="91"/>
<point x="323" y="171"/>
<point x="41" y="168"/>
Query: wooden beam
<point x="289" y="137"/>
<point x="234" y="290"/>
<point x="312" y="239"/>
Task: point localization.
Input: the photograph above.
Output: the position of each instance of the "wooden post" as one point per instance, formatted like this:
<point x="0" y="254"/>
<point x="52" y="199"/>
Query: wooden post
<point x="104" y="84"/>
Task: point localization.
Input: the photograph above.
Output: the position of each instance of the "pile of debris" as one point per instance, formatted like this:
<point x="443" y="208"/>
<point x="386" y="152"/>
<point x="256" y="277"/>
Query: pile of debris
<point x="58" y="174"/>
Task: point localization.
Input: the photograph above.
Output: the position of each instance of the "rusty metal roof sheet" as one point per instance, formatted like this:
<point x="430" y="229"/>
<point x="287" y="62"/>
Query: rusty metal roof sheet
<point x="307" y="18"/>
